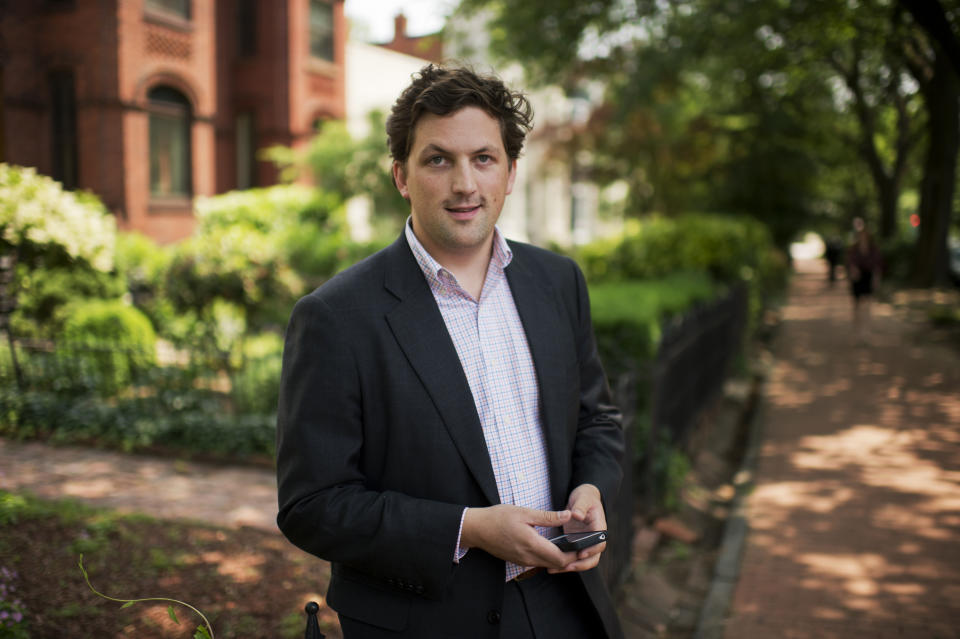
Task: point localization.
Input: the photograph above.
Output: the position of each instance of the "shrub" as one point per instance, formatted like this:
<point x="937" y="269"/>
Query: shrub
<point x="250" y="250"/>
<point x="37" y="215"/>
<point x="143" y="264"/>
<point x="188" y="421"/>
<point x="109" y="339"/>
<point x="628" y="315"/>
<point x="256" y="384"/>
<point x="43" y="291"/>
<point x="62" y="243"/>
<point x="726" y="248"/>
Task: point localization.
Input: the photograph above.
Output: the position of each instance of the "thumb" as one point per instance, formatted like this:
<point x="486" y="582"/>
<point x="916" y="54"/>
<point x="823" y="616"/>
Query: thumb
<point x="550" y="518"/>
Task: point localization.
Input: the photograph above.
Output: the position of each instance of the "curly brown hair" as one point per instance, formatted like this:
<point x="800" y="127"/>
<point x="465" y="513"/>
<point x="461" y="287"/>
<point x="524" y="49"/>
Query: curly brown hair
<point x="442" y="91"/>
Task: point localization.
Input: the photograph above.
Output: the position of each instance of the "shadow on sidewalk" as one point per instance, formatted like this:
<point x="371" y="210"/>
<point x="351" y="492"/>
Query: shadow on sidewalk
<point x="854" y="516"/>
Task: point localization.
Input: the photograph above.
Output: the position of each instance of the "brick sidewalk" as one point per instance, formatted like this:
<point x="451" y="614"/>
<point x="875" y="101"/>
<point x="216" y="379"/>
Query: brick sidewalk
<point x="855" y="515"/>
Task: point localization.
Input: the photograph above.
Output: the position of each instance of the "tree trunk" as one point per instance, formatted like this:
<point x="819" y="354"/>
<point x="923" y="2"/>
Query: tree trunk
<point x="939" y="174"/>
<point x="888" y="192"/>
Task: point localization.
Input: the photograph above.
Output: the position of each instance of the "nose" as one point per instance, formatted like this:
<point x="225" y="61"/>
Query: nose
<point x="464" y="182"/>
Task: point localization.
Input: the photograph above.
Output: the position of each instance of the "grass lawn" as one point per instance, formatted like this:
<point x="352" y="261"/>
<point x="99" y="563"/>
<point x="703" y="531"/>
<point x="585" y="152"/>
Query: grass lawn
<point x="249" y="583"/>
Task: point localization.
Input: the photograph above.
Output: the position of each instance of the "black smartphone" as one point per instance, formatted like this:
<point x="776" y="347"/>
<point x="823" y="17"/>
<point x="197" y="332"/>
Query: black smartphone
<point x="572" y="542"/>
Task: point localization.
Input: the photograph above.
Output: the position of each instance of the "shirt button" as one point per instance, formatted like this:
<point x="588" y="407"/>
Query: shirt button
<point x="493" y="616"/>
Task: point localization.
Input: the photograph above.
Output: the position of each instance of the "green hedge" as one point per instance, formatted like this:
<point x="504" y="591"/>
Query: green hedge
<point x="191" y="422"/>
<point x="112" y="342"/>
<point x="727" y="249"/>
<point x="628" y="315"/>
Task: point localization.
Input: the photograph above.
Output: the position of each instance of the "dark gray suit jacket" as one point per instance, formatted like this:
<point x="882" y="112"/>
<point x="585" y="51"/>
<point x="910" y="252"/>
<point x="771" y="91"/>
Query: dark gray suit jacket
<point x="379" y="445"/>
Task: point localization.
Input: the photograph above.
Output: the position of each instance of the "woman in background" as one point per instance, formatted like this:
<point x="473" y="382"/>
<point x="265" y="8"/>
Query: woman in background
<point x="864" y="267"/>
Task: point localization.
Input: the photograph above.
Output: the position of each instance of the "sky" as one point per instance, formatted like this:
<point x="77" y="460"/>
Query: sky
<point x="373" y="19"/>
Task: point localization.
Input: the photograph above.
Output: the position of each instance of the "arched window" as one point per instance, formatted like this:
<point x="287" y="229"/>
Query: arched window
<point x="170" y="167"/>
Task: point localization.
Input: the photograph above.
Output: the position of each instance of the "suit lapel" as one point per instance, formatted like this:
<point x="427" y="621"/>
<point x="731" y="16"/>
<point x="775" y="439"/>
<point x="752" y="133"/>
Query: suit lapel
<point x="542" y="322"/>
<point x="419" y="328"/>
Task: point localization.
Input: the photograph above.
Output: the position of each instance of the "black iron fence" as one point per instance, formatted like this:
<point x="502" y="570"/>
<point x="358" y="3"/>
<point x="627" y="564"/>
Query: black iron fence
<point x="196" y="399"/>
<point x="692" y="362"/>
<point x="615" y="561"/>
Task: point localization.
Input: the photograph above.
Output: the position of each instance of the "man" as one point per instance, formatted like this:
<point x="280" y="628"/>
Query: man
<point x="443" y="411"/>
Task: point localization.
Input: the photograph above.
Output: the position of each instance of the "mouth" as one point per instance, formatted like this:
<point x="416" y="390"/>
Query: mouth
<point x="463" y="212"/>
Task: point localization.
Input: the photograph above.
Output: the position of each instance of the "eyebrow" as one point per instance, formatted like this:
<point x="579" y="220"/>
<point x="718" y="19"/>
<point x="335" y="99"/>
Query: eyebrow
<point x="434" y="148"/>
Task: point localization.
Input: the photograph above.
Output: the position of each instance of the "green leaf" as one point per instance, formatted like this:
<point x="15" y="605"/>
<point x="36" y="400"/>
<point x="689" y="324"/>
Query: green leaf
<point x="173" y="615"/>
<point x="201" y="633"/>
<point x="127" y="605"/>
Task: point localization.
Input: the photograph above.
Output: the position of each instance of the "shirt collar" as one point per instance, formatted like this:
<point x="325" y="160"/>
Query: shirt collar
<point x="440" y="277"/>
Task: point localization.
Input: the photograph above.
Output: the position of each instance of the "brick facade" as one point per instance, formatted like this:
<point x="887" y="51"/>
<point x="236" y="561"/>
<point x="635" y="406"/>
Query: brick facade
<point x="240" y="64"/>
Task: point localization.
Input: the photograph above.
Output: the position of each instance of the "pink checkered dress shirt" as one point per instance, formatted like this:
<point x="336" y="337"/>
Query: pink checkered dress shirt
<point x="493" y="350"/>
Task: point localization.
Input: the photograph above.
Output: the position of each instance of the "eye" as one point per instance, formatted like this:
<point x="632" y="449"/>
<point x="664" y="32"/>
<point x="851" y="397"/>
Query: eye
<point x="483" y="158"/>
<point x="435" y="160"/>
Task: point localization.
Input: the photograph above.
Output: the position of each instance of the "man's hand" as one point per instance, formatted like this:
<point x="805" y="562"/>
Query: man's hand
<point x="508" y="532"/>
<point x="586" y="513"/>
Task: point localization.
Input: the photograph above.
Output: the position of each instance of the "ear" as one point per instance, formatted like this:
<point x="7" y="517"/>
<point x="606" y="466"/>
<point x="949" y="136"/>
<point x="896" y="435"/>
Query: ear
<point x="511" y="176"/>
<point x="400" y="179"/>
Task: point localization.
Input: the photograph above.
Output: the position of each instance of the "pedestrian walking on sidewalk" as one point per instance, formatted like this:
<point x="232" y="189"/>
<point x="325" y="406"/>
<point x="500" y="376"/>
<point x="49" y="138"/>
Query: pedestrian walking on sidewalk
<point x="864" y="268"/>
<point x="833" y="253"/>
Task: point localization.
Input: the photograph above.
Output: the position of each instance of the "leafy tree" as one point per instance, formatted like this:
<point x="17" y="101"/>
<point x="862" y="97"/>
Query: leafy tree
<point x="864" y="54"/>
<point x="690" y="124"/>
<point x="931" y="53"/>
<point x="773" y="98"/>
<point x="339" y="165"/>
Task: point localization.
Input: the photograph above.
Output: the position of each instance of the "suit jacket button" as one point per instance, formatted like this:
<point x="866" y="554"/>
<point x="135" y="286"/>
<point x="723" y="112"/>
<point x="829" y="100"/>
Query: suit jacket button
<point x="493" y="616"/>
<point x="418" y="590"/>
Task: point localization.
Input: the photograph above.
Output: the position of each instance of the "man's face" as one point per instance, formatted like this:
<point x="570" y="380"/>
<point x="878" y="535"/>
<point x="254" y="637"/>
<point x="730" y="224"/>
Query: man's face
<point x="456" y="179"/>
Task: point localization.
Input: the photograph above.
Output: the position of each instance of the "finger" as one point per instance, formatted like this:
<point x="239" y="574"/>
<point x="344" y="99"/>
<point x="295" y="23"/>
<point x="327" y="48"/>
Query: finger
<point x="551" y="557"/>
<point x="574" y="526"/>
<point x="578" y="566"/>
<point x="551" y="518"/>
<point x="591" y="551"/>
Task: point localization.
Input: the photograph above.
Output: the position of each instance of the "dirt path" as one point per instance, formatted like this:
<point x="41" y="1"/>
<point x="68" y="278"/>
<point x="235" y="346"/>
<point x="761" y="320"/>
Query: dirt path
<point x="855" y="515"/>
<point x="164" y="488"/>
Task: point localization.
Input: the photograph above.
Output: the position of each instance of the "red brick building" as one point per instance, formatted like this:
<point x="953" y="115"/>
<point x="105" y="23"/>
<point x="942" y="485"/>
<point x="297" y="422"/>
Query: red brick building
<point x="150" y="103"/>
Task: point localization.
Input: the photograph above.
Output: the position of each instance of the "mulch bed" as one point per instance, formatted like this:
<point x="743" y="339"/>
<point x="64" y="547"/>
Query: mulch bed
<point x="248" y="582"/>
